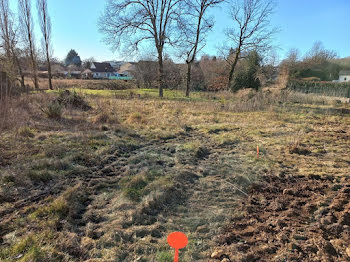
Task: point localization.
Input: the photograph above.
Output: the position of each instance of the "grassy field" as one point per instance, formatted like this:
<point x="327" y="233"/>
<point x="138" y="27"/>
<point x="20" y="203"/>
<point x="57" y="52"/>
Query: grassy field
<point x="106" y="175"/>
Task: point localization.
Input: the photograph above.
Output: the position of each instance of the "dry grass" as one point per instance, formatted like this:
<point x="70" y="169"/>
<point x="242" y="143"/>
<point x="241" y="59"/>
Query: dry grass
<point x="84" y="84"/>
<point x="107" y="192"/>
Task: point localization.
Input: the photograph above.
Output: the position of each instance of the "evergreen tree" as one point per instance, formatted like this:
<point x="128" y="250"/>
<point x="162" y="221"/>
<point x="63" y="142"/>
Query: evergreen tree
<point x="72" y="58"/>
<point x="247" y="77"/>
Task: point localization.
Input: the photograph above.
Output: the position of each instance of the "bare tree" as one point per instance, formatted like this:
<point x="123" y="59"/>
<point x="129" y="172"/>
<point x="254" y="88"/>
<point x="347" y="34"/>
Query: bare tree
<point x="45" y="26"/>
<point x="130" y="22"/>
<point x="26" y="20"/>
<point x="252" y="29"/>
<point x="146" y="72"/>
<point x="318" y="54"/>
<point x="86" y="64"/>
<point x="9" y="40"/>
<point x="195" y="29"/>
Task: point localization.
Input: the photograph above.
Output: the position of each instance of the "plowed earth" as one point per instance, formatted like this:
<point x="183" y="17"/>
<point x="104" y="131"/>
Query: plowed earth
<point x="290" y="218"/>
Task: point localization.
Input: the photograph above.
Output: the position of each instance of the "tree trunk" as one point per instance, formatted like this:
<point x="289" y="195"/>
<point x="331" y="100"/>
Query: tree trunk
<point x="35" y="73"/>
<point x="49" y="70"/>
<point x="23" y="86"/>
<point x="233" y="67"/>
<point x="20" y="71"/>
<point x="188" y="82"/>
<point x="161" y="74"/>
<point x="32" y="57"/>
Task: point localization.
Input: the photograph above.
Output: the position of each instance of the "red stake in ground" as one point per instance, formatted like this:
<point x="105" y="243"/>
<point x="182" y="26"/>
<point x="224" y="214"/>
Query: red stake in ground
<point x="177" y="240"/>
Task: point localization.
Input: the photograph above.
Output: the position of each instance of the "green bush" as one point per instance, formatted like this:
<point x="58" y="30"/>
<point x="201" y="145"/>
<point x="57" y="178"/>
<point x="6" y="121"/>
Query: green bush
<point x="246" y="76"/>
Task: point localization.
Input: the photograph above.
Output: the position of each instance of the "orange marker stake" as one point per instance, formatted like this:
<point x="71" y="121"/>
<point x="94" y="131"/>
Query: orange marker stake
<point x="257" y="151"/>
<point x="177" y="240"/>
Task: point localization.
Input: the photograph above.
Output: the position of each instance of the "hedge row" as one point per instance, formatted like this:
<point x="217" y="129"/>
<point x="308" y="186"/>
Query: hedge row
<point x="95" y="84"/>
<point x="324" y="88"/>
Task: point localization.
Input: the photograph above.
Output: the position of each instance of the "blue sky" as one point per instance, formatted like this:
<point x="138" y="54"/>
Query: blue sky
<point x="302" y="22"/>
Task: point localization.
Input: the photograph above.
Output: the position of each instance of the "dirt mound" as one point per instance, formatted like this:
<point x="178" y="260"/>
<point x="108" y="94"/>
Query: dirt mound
<point x="290" y="219"/>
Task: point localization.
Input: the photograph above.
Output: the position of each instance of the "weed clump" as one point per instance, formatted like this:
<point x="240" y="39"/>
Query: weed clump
<point x="298" y="148"/>
<point x="134" y="188"/>
<point x="54" y="110"/>
<point x="136" y="117"/>
<point x="25" y="131"/>
<point x="105" y="118"/>
<point x="72" y="99"/>
<point x="202" y="152"/>
<point x="164" y="256"/>
<point x="38" y="176"/>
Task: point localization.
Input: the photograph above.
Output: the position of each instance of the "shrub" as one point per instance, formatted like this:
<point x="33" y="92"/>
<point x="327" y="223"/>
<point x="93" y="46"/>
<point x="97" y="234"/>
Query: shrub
<point x="53" y="110"/>
<point x="67" y="98"/>
<point x="246" y="77"/>
<point x="37" y="176"/>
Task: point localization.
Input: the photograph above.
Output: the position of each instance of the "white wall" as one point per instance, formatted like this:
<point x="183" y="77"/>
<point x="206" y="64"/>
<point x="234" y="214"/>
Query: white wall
<point x="344" y="78"/>
<point x="100" y="75"/>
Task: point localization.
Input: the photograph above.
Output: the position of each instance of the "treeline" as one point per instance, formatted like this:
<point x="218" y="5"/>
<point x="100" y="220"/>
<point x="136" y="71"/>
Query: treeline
<point x="210" y="73"/>
<point x="318" y="64"/>
<point x="19" y="52"/>
<point x="181" y="27"/>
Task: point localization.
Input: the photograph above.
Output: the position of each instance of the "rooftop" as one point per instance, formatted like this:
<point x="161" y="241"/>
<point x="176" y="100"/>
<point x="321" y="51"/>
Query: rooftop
<point x="344" y="73"/>
<point x="101" y="67"/>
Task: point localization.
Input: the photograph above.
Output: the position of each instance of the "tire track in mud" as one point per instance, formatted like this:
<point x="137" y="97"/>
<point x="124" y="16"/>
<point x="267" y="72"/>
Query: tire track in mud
<point x="198" y="203"/>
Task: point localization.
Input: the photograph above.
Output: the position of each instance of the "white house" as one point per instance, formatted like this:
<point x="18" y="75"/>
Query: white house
<point x="99" y="71"/>
<point x="344" y="76"/>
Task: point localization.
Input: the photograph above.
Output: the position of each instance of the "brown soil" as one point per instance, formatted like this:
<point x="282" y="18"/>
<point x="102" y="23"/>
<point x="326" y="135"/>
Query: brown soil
<point x="290" y="218"/>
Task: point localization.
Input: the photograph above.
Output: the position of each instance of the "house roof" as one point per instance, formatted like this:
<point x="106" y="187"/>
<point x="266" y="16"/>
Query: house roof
<point x="344" y="73"/>
<point x="102" y="67"/>
<point x="87" y="71"/>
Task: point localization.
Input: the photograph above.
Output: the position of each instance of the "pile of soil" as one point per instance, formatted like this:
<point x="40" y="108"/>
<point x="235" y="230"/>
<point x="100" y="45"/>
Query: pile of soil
<point x="290" y="218"/>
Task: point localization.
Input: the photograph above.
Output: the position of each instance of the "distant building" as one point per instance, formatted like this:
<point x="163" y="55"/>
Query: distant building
<point x="115" y="64"/>
<point x="344" y="76"/>
<point x="73" y="74"/>
<point x="99" y="71"/>
<point x="128" y="69"/>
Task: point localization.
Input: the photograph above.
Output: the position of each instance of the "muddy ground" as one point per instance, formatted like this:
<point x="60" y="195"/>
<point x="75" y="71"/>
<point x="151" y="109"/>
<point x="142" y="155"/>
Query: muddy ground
<point x="290" y="218"/>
